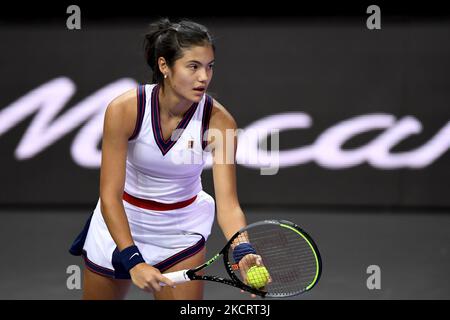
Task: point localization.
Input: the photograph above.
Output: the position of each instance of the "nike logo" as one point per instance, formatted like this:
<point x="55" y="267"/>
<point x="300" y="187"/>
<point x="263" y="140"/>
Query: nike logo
<point x="133" y="256"/>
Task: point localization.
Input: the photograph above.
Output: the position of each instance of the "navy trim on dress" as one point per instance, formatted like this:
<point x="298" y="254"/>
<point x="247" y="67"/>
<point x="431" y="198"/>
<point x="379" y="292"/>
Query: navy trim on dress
<point x="98" y="269"/>
<point x="166" y="145"/>
<point x="205" y="120"/>
<point x="141" y="99"/>
<point x="77" y="246"/>
<point x="120" y="272"/>
<point x="180" y="256"/>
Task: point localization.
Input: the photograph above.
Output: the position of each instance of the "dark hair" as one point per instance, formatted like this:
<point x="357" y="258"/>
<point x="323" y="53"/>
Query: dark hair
<point x="166" y="39"/>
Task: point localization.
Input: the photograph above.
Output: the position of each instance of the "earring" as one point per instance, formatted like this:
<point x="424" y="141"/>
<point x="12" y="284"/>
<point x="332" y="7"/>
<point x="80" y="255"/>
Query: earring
<point x="165" y="76"/>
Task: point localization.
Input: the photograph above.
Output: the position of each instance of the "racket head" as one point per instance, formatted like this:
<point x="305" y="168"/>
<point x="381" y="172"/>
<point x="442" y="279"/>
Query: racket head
<point x="288" y="253"/>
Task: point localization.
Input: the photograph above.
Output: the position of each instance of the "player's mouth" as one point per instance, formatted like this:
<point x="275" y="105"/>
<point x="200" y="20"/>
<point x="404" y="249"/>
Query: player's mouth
<point x="200" y="89"/>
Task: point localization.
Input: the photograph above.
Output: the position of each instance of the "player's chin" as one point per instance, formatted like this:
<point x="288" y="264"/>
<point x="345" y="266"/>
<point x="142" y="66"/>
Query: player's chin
<point x="196" y="96"/>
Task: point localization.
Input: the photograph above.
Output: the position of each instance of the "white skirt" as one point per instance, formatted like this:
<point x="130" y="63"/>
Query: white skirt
<point x="163" y="237"/>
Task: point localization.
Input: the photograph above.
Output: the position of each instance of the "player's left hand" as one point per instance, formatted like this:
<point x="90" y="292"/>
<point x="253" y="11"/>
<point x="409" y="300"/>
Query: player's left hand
<point x="246" y="263"/>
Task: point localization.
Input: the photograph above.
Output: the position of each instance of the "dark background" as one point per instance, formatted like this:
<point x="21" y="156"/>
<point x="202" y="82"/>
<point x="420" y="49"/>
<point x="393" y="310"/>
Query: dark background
<point x="319" y="60"/>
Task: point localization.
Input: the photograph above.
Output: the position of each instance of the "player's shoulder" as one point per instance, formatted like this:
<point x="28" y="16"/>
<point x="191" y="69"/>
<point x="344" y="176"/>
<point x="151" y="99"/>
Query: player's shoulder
<point x="221" y="118"/>
<point x="122" y="110"/>
<point x="124" y="103"/>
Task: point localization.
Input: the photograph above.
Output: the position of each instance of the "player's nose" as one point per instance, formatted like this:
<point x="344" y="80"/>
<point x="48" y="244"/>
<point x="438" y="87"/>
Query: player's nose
<point x="203" y="76"/>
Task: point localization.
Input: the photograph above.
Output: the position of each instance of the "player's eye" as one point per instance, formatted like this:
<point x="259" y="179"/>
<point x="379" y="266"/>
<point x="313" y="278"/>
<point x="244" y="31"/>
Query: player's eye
<point x="193" y="67"/>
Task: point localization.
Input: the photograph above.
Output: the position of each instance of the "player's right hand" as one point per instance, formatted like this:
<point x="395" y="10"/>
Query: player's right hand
<point x="147" y="278"/>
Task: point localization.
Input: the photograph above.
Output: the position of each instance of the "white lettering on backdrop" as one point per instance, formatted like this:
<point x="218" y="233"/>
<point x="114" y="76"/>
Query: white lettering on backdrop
<point x="327" y="150"/>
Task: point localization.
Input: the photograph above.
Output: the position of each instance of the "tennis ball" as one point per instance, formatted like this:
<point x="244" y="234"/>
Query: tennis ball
<point x="257" y="276"/>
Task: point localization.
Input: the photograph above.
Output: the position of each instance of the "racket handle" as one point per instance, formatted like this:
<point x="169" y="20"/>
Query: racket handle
<point x="177" y="277"/>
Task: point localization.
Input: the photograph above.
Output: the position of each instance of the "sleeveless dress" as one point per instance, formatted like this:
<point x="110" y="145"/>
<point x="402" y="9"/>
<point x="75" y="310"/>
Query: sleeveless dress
<point x="169" y="214"/>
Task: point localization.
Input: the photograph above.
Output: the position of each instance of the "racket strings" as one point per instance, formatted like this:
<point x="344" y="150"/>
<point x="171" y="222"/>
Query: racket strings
<point x="287" y="256"/>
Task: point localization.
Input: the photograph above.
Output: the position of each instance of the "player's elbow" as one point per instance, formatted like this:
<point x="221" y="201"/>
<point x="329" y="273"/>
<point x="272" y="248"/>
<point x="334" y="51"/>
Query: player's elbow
<point x="229" y="214"/>
<point x="109" y="199"/>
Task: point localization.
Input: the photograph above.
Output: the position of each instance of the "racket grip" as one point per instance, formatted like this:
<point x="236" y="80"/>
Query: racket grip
<point x="177" y="277"/>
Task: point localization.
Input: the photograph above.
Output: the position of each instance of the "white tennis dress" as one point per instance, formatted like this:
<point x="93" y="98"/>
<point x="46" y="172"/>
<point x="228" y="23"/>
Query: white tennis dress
<point x="169" y="214"/>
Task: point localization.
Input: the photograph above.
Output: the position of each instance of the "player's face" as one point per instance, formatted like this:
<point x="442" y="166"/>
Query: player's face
<point x="192" y="73"/>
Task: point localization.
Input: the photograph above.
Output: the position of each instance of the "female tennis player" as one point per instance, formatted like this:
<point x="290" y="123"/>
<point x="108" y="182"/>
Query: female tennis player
<point x="152" y="215"/>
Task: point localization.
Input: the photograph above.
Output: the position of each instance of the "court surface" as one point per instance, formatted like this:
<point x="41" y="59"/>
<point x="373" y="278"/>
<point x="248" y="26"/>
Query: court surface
<point x="411" y="249"/>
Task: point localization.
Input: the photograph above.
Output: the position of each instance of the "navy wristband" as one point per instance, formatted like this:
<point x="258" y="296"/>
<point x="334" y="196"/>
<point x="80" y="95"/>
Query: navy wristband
<point x="130" y="257"/>
<point x="242" y="250"/>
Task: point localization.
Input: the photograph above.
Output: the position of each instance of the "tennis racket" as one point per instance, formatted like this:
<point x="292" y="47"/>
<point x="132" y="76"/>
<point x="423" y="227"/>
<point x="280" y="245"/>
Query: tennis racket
<point x="288" y="253"/>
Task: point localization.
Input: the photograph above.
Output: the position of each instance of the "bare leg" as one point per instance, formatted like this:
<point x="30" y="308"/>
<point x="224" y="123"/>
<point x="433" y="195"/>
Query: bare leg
<point x="192" y="290"/>
<point x="97" y="287"/>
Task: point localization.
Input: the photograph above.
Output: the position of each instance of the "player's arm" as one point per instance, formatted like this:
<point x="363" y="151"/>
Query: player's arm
<point x="119" y="123"/>
<point x="230" y="216"/>
<point x="223" y="145"/>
